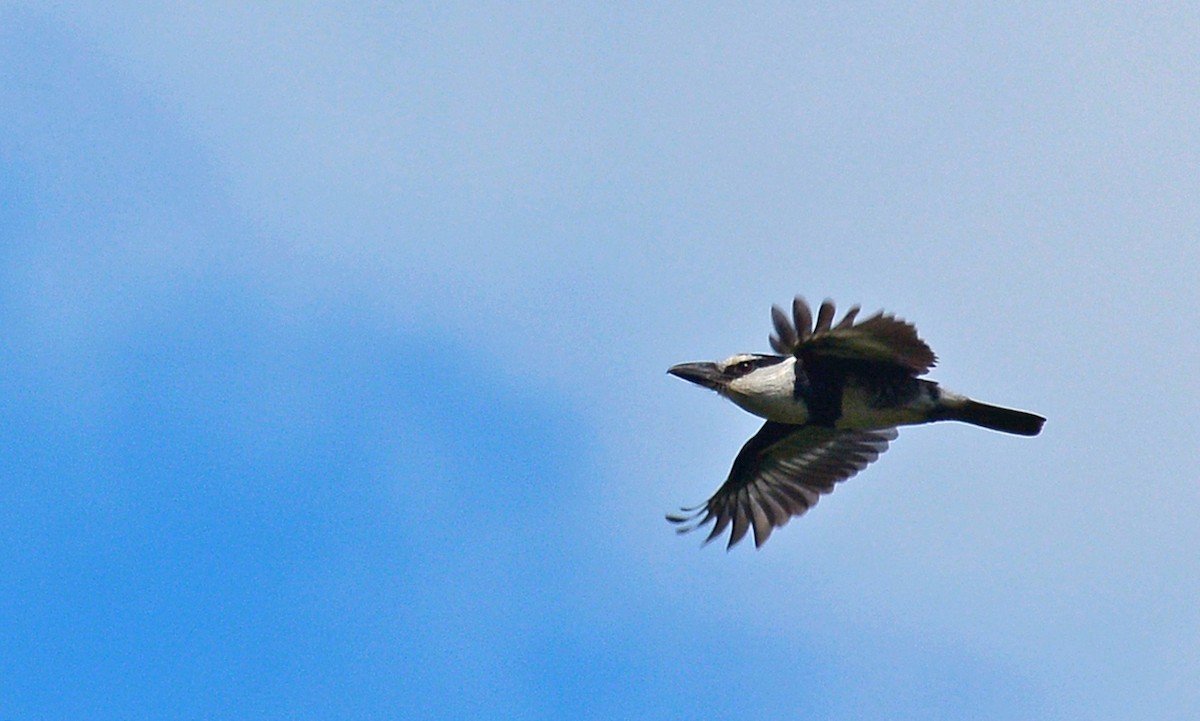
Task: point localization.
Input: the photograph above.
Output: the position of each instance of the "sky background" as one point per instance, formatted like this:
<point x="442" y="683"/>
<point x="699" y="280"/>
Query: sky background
<point x="335" y="336"/>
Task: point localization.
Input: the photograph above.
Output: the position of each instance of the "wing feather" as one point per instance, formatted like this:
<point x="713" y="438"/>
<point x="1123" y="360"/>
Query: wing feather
<point x="802" y="317"/>
<point x="741" y="515"/>
<point x="883" y="339"/>
<point x="786" y="339"/>
<point x="780" y="473"/>
<point x="825" y="316"/>
<point x="848" y="319"/>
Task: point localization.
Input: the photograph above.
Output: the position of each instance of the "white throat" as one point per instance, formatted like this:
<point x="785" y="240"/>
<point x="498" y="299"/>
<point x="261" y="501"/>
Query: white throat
<point x="769" y="393"/>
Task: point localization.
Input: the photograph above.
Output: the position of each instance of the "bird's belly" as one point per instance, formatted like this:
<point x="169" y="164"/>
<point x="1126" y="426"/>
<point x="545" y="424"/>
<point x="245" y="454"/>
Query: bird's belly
<point x="861" y="409"/>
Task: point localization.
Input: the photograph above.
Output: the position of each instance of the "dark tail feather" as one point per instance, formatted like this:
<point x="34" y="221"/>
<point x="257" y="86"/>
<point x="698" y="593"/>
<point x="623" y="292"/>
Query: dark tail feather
<point x="996" y="418"/>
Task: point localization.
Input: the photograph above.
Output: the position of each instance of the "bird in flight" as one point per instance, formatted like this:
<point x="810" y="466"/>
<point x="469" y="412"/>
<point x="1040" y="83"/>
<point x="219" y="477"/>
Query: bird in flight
<point x="832" y="399"/>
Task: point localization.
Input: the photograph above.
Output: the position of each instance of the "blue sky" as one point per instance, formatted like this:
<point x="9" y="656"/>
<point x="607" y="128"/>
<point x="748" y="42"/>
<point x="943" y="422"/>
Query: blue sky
<point x="335" y="342"/>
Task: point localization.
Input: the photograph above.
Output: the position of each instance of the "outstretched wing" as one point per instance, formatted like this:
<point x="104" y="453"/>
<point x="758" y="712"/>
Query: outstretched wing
<point x="880" y="339"/>
<point x="781" y="472"/>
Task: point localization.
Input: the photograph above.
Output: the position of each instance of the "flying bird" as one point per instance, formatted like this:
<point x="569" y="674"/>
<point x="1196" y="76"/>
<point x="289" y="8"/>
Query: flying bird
<point x="832" y="399"/>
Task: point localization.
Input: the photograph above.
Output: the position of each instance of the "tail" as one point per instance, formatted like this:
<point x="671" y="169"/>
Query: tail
<point x="1005" y="420"/>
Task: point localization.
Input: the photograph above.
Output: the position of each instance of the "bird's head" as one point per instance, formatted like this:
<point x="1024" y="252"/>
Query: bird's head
<point x="761" y="384"/>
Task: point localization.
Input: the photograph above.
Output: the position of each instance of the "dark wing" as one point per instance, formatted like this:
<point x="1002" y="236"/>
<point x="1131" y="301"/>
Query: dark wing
<point x="781" y="472"/>
<point x="878" y="340"/>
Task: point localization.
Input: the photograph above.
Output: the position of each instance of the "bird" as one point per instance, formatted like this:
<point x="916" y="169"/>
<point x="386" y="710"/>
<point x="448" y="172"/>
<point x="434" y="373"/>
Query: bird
<point x="832" y="396"/>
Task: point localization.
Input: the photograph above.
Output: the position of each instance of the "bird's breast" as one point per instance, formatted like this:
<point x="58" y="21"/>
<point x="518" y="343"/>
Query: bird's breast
<point x="773" y="408"/>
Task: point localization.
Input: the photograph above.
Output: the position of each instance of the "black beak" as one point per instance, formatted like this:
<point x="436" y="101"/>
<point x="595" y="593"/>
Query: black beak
<point x="702" y="374"/>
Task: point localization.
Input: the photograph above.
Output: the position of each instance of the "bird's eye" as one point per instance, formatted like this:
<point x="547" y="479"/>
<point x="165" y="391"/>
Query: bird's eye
<point x="744" y="367"/>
